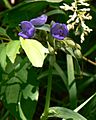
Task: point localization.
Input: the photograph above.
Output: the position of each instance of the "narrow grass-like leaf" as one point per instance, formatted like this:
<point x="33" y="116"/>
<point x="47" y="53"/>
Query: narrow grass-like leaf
<point x="35" y="51"/>
<point x="57" y="11"/>
<point x="53" y="1"/>
<point x="90" y="50"/>
<point x="21" y="112"/>
<point x="87" y="82"/>
<point x="45" y="73"/>
<point x="61" y="73"/>
<point x="61" y="112"/>
<point x="83" y="104"/>
<point x="77" y="67"/>
<point x="71" y="82"/>
<point x="12" y="50"/>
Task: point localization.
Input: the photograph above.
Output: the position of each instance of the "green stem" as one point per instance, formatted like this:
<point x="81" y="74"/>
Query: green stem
<point x="48" y="94"/>
<point x="7" y="4"/>
<point x="5" y="116"/>
<point x="6" y="39"/>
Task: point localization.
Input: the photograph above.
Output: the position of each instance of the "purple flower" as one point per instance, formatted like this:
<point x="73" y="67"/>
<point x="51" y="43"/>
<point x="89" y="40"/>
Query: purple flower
<point x="39" y="21"/>
<point x="59" y="31"/>
<point x="27" y="30"/>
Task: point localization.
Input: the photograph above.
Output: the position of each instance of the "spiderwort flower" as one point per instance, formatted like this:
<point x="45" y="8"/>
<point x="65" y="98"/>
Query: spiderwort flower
<point x="27" y="30"/>
<point x="39" y="21"/>
<point x="59" y="31"/>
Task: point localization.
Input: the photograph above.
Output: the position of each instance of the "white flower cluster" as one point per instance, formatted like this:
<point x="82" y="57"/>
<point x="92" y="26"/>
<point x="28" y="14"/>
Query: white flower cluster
<point x="80" y="9"/>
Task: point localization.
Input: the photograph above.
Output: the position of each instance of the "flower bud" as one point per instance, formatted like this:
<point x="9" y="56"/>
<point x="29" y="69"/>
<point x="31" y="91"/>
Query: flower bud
<point x="70" y="43"/>
<point x="77" y="53"/>
<point x="39" y="21"/>
<point x="78" y="46"/>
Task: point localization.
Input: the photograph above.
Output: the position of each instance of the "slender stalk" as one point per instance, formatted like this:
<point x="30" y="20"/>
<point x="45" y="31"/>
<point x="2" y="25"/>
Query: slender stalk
<point x="6" y="39"/>
<point x="48" y="94"/>
<point x="90" y="61"/>
<point x="5" y="116"/>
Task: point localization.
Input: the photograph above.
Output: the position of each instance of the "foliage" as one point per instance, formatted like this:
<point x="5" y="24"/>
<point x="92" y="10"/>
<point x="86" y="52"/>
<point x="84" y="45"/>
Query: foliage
<point x="43" y="47"/>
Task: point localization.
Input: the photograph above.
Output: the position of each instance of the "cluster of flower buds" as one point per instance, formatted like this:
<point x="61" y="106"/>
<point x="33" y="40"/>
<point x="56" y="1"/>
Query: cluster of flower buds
<point x="28" y="28"/>
<point x="78" y="18"/>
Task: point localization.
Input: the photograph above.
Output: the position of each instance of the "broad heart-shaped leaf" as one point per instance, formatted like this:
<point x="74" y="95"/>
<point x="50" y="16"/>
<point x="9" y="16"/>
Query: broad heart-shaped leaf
<point x="22" y="73"/>
<point x="64" y="113"/>
<point x="27" y="92"/>
<point x="12" y="93"/>
<point x="35" y="51"/>
<point x="13" y="49"/>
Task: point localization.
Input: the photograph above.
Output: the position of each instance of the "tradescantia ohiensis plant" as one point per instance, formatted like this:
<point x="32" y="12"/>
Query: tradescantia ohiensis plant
<point x="36" y="52"/>
<point x="43" y="44"/>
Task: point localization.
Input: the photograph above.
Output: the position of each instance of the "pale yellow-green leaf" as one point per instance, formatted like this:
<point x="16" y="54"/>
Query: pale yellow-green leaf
<point x="27" y="92"/>
<point x="35" y="51"/>
<point x="12" y="50"/>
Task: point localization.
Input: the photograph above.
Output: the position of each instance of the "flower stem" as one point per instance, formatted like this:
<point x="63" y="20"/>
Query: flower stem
<point x="48" y="94"/>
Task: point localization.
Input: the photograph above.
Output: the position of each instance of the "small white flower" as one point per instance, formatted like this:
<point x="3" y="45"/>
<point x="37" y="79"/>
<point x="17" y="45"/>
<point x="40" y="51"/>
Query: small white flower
<point x="66" y="7"/>
<point x="77" y="20"/>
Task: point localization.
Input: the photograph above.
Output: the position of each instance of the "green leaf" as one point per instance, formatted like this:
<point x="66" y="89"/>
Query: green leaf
<point x="12" y="50"/>
<point x="84" y="103"/>
<point x="31" y="92"/>
<point x="77" y="67"/>
<point x="92" y="49"/>
<point x="3" y="31"/>
<point x="28" y="105"/>
<point x="45" y="27"/>
<point x="54" y="1"/>
<point x="2" y="46"/>
<point x="62" y="74"/>
<point x="56" y="11"/>
<point x="71" y="82"/>
<point x="3" y="57"/>
<point x="12" y="92"/>
<point x="22" y="11"/>
<point x="70" y="51"/>
<point x="35" y="51"/>
<point x="88" y="81"/>
<point x="22" y="73"/>
<point x="13" y="80"/>
<point x="64" y="113"/>
<point x="22" y="116"/>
